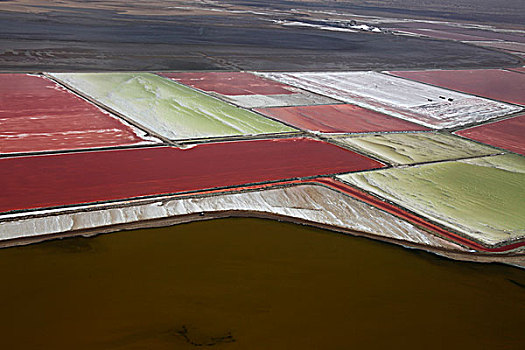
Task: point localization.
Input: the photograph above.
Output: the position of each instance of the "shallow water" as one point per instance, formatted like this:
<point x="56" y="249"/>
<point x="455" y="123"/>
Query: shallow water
<point x="252" y="284"/>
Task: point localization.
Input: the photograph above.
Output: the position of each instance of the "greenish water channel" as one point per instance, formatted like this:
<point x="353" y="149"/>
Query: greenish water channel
<point x="252" y="284"/>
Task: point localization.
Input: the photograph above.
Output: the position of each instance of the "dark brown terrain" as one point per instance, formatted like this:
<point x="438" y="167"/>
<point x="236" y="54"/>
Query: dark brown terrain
<point x="199" y="35"/>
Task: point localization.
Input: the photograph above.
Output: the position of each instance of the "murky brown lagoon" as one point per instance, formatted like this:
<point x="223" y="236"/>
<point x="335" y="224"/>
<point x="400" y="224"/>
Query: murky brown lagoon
<point x="252" y="284"/>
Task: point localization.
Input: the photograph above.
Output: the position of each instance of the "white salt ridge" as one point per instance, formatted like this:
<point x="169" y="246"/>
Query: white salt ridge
<point x="420" y="103"/>
<point x="349" y="28"/>
<point x="318" y="26"/>
<point x="311" y="203"/>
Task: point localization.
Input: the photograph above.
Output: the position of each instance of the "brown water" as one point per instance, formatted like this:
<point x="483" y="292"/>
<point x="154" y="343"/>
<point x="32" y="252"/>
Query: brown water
<point x="252" y="284"/>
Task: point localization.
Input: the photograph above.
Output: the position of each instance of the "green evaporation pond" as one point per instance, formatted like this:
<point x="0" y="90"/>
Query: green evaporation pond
<point x="483" y="198"/>
<point x="168" y="108"/>
<point x="410" y="148"/>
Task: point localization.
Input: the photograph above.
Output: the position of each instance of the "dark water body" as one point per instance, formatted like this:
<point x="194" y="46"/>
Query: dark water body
<point x="252" y="284"/>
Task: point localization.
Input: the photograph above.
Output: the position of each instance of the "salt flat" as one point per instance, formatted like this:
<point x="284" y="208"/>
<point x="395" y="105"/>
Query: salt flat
<point x="423" y="104"/>
<point x="497" y="84"/>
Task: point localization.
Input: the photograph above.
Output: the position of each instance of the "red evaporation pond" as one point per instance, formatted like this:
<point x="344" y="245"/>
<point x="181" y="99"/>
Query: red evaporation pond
<point x="508" y="134"/>
<point x="72" y="178"/>
<point x="230" y="83"/>
<point x="38" y="115"/>
<point x="496" y="84"/>
<point x="340" y="118"/>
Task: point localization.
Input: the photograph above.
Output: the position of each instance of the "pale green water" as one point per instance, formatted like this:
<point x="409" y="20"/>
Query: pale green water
<point x="168" y="108"/>
<point x="252" y="284"/>
<point x="482" y="197"/>
<point x="410" y="148"/>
